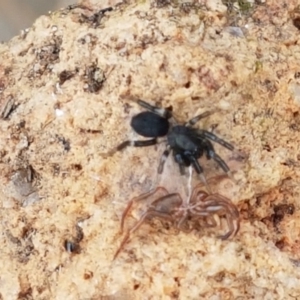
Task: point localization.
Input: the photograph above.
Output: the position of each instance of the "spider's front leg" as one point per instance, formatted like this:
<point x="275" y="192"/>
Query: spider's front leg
<point x="211" y="154"/>
<point x="215" y="139"/>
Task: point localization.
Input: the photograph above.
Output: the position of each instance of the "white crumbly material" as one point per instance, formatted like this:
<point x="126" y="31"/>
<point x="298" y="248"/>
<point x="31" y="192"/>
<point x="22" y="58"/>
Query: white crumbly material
<point x="195" y="58"/>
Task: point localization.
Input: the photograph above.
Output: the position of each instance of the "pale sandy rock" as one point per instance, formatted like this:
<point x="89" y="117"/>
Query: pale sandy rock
<point x="68" y="87"/>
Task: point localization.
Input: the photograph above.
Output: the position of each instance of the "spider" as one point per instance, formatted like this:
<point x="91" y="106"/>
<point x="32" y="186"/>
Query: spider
<point x="171" y="207"/>
<point x="186" y="143"/>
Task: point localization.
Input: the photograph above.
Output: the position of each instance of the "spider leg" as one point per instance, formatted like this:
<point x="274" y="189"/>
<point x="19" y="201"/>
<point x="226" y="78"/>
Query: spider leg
<point x="224" y="166"/>
<point x="220" y="162"/>
<point x="182" y="169"/>
<point x="143" y="143"/>
<point x="210" y="153"/>
<point x="194" y="120"/>
<point x="182" y="164"/>
<point x="199" y="171"/>
<point x="163" y="159"/>
<point x="215" y="139"/>
<point x="163" y="112"/>
<point x="125" y="144"/>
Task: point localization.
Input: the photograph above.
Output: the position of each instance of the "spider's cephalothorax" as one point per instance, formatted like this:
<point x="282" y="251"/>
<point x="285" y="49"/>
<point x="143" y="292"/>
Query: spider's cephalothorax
<point x="186" y="143"/>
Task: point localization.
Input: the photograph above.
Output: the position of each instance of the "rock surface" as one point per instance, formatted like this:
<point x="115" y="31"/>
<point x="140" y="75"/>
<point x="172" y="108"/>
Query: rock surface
<point x="68" y="89"/>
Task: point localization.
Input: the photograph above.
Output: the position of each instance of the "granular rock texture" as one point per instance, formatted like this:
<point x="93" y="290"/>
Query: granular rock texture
<point x="68" y="89"/>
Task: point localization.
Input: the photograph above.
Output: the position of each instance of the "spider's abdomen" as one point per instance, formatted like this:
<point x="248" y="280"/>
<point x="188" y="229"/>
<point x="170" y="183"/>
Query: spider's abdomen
<point x="181" y="139"/>
<point x="149" y="124"/>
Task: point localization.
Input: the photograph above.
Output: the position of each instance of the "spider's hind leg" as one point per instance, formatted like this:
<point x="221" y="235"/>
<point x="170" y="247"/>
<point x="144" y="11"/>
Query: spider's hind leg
<point x="143" y="143"/>
<point x="163" y="112"/>
<point x="130" y="143"/>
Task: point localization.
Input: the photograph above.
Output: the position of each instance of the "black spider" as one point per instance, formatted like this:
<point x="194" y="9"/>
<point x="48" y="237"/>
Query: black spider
<point x="187" y="144"/>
